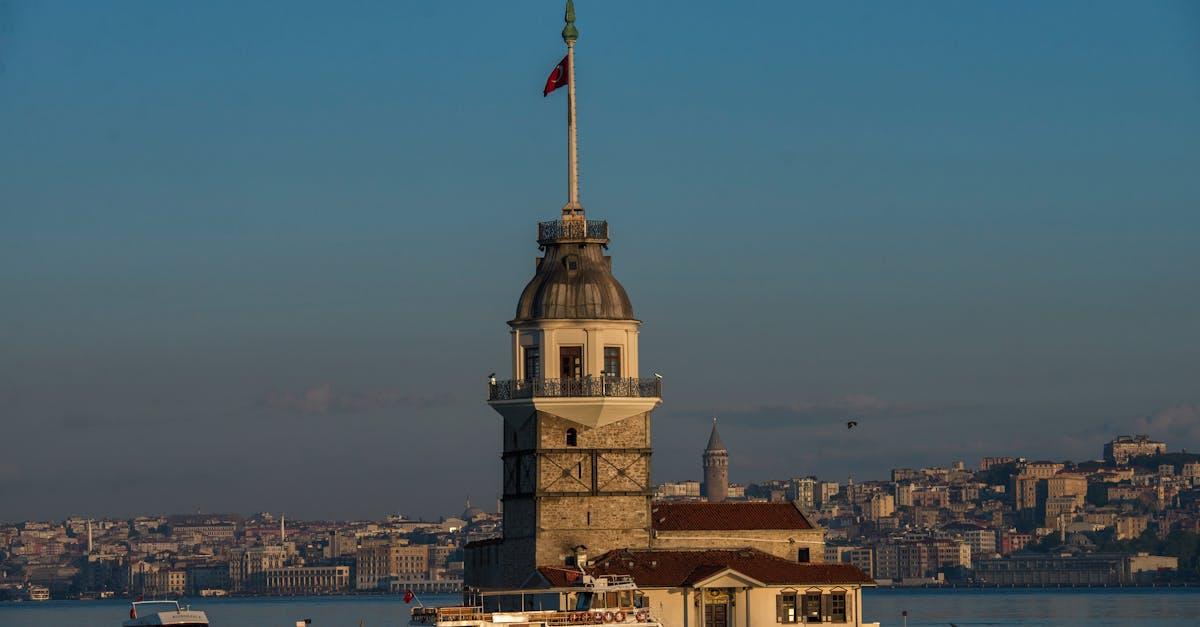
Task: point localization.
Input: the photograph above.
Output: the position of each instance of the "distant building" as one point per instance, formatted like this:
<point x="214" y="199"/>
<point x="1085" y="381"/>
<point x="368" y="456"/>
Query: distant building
<point x="880" y="506"/>
<point x="1119" y="451"/>
<point x="830" y="489"/>
<point x="804" y="492"/>
<point x="382" y="560"/>
<point x="987" y="463"/>
<point x="861" y="556"/>
<point x="678" y="489"/>
<point x="1130" y="527"/>
<point x="248" y="566"/>
<point x="307" y="579"/>
<point x="1054" y="570"/>
<point x="716" y="468"/>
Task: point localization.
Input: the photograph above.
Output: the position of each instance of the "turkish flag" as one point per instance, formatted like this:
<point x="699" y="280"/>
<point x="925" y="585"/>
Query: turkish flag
<point x="557" y="78"/>
<point x="409" y="596"/>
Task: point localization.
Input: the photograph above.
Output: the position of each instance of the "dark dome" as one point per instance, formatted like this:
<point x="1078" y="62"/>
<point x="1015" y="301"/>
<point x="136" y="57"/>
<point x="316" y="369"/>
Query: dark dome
<point x="574" y="281"/>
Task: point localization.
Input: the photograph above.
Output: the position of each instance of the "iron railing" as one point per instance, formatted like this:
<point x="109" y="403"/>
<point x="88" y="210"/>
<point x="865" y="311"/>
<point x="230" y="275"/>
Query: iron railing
<point x="580" y="387"/>
<point x="555" y="230"/>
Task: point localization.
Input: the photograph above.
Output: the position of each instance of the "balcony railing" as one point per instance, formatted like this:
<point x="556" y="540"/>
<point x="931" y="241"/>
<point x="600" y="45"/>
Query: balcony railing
<point x="582" y="387"/>
<point x="556" y="230"/>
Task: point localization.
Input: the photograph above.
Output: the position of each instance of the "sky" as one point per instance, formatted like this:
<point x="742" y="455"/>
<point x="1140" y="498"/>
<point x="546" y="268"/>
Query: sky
<point x="260" y="256"/>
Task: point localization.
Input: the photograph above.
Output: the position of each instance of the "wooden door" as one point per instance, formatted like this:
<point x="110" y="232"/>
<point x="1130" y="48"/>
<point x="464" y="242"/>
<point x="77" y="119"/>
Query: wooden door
<point x="716" y="615"/>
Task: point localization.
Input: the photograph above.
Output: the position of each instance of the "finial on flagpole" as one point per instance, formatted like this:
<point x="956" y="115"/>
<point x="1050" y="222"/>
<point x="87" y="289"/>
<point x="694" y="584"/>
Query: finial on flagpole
<point x="570" y="33"/>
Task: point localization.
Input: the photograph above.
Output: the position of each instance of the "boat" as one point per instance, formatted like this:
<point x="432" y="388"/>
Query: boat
<point x="606" y="600"/>
<point x="143" y="613"/>
<point x="37" y="593"/>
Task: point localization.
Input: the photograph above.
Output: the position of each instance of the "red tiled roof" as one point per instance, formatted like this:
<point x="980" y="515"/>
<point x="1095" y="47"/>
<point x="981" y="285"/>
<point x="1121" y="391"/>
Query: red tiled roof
<point x="726" y="516"/>
<point x="673" y="569"/>
<point x="560" y="577"/>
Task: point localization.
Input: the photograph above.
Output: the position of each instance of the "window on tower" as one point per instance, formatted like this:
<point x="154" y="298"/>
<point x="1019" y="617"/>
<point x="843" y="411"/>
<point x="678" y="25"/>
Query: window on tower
<point x="612" y="361"/>
<point x="570" y="360"/>
<point x="572" y="437"/>
<point x="533" y="363"/>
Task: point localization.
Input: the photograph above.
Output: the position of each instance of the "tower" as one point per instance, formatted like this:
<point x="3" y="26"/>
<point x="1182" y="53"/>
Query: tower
<point x="576" y="436"/>
<point x="716" y="468"/>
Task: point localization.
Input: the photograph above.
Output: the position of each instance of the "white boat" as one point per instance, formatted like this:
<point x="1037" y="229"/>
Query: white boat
<point x="37" y="593"/>
<point x="142" y="613"/>
<point x="612" y="600"/>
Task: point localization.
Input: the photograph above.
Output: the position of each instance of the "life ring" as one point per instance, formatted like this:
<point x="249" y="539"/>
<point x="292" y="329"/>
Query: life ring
<point x="597" y="617"/>
<point x="620" y="616"/>
<point x="642" y="616"/>
<point x="608" y="617"/>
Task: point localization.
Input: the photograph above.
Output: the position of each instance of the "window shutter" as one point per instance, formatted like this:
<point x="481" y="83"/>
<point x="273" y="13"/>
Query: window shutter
<point x="779" y="617"/>
<point x="825" y="607"/>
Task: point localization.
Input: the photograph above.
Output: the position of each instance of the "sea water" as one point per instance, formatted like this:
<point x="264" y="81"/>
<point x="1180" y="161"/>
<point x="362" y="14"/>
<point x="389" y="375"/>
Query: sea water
<point x="1094" y="607"/>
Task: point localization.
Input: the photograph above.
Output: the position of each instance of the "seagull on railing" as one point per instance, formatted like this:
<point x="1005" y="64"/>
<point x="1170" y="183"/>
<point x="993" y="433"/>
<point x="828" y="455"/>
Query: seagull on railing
<point x="492" y="379"/>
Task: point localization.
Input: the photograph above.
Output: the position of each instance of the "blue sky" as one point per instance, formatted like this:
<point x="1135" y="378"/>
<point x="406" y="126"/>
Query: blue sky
<point x="259" y="257"/>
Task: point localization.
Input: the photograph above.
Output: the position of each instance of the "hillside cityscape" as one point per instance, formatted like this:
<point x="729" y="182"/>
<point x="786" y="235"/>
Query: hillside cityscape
<point x="1130" y="518"/>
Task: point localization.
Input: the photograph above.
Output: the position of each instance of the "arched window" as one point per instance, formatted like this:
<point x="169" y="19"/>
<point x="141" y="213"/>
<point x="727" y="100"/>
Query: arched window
<point x="572" y="437"/>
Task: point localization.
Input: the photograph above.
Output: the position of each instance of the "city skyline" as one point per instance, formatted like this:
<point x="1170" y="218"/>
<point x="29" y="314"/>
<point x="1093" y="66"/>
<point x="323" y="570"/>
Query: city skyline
<point x="279" y="251"/>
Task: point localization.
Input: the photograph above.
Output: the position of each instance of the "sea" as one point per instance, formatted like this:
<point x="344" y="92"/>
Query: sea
<point x="1092" y="607"/>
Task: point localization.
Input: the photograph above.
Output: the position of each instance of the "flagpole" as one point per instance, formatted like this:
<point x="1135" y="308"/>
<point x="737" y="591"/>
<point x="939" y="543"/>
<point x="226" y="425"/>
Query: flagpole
<point x="570" y="34"/>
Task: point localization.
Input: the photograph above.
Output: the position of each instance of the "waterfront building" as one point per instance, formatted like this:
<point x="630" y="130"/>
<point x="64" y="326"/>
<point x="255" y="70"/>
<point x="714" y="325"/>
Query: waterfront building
<point x="381" y="560"/>
<point x="307" y="579"/>
<point x="248" y="566"/>
<point x="719" y="588"/>
<point x="1073" y="570"/>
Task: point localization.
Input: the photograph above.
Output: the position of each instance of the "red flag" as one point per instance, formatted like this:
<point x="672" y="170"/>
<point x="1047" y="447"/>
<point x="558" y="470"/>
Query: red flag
<point x="558" y="78"/>
<point x="409" y="596"/>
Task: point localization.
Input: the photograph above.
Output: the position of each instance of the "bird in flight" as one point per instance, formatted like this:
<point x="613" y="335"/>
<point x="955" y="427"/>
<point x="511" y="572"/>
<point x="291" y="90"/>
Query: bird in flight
<point x="850" y="424"/>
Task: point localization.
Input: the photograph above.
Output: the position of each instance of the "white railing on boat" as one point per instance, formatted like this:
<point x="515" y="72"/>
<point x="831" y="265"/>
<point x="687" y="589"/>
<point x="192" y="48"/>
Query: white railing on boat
<point x="439" y="615"/>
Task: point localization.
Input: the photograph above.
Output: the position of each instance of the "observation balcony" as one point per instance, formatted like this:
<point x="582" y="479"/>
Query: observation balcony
<point x="572" y="230"/>
<point x="589" y="401"/>
<point x="575" y="388"/>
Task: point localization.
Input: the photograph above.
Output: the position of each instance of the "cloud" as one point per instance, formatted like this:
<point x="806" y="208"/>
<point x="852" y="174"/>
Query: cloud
<point x="1177" y="422"/>
<point x="325" y="399"/>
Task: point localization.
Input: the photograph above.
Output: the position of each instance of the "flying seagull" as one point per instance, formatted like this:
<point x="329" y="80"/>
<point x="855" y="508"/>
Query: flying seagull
<point x="658" y="376"/>
<point x="850" y="424"/>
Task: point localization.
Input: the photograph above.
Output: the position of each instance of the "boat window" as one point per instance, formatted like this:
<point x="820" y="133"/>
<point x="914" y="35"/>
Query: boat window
<point x="639" y="599"/>
<point x="611" y="600"/>
<point x="583" y="601"/>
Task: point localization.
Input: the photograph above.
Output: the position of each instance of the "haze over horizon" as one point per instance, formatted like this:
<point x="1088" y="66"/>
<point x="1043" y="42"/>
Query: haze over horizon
<point x="261" y="258"/>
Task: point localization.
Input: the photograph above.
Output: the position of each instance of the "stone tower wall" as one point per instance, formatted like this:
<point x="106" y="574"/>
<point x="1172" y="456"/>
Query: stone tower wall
<point x="716" y="476"/>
